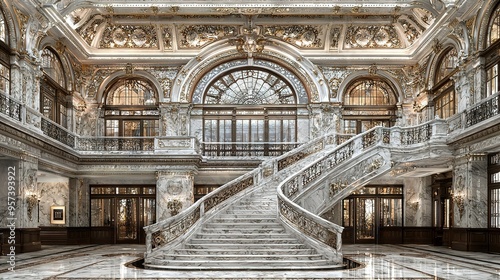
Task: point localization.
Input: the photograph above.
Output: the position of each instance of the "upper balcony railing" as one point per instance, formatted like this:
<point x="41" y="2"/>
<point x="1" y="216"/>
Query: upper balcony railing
<point x="15" y="110"/>
<point x="484" y="110"/>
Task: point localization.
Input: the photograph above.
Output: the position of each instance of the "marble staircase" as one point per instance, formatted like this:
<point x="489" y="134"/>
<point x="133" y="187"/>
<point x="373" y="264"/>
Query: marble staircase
<point x="246" y="235"/>
<point x="271" y="218"/>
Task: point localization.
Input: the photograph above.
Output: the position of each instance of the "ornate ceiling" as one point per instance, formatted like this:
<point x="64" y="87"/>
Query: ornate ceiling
<point x="176" y="31"/>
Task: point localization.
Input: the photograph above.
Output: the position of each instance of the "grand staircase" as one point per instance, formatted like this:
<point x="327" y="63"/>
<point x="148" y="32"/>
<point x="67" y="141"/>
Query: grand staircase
<point x="270" y="218"/>
<point x="246" y="235"/>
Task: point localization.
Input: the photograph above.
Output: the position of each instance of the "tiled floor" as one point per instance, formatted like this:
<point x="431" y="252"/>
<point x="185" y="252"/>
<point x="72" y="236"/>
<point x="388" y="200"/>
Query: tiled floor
<point x="379" y="262"/>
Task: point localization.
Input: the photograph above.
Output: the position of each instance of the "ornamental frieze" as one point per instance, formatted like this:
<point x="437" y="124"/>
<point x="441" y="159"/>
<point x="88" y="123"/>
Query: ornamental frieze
<point x="129" y="36"/>
<point x="197" y="36"/>
<point x="302" y="36"/>
<point x="372" y="36"/>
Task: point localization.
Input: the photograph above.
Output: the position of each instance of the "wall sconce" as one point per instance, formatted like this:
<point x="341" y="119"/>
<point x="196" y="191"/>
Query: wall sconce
<point x="32" y="201"/>
<point x="459" y="201"/>
<point x="414" y="205"/>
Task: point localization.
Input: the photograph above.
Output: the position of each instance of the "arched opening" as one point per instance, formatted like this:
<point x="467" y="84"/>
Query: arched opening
<point x="368" y="102"/>
<point x="131" y="108"/>
<point x="54" y="101"/>
<point x="444" y="96"/>
<point x="249" y="111"/>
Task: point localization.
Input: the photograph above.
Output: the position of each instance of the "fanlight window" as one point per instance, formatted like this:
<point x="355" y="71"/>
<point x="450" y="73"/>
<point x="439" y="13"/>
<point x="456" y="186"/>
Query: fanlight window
<point x="249" y="112"/>
<point x="370" y="93"/>
<point x="132" y="92"/>
<point x="52" y="67"/>
<point x="250" y="87"/>
<point x="368" y="103"/>
<point x="494" y="27"/>
<point x="132" y="109"/>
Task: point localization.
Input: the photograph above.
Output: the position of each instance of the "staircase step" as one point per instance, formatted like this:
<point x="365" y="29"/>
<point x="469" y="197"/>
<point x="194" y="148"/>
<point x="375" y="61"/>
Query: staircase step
<point x="243" y="241"/>
<point x="204" y="235"/>
<point x="245" y="251"/>
<point x="221" y="230"/>
<point x="213" y="257"/>
<point x="245" y="265"/>
<point x="249" y="247"/>
<point x="261" y="220"/>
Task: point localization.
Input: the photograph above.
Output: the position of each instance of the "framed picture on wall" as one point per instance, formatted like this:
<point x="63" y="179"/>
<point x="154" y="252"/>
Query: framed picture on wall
<point x="57" y="215"/>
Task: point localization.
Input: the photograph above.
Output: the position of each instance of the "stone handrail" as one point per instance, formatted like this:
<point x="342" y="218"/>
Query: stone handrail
<point x="168" y="230"/>
<point x="310" y="223"/>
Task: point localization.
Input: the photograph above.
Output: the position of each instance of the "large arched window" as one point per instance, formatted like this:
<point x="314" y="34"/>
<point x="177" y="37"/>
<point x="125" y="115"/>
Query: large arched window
<point x="131" y="108"/>
<point x="54" y="101"/>
<point x="3" y="29"/>
<point x="4" y="58"/>
<point x="368" y="102"/>
<point x="491" y="54"/>
<point x="249" y="111"/>
<point x="445" y="100"/>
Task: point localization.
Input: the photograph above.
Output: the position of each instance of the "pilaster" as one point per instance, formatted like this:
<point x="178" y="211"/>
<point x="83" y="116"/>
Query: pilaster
<point x="174" y="190"/>
<point x="470" y="191"/>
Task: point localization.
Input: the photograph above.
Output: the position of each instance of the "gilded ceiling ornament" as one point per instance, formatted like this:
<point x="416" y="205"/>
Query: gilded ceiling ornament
<point x="372" y="36"/>
<point x="88" y="31"/>
<point x="167" y="37"/>
<point x="410" y="31"/>
<point x="304" y="36"/>
<point x="197" y="36"/>
<point x="127" y="36"/>
<point x="335" y="37"/>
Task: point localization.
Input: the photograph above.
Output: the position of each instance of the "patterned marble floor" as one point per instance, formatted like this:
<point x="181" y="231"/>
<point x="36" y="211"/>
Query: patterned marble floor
<point x="379" y="262"/>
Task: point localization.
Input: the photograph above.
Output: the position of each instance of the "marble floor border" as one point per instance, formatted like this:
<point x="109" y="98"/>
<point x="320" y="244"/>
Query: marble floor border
<point x="379" y="262"/>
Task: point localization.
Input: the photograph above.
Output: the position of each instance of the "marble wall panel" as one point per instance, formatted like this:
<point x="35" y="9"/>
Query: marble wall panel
<point x="470" y="192"/>
<point x="418" y="202"/>
<point x="54" y="193"/>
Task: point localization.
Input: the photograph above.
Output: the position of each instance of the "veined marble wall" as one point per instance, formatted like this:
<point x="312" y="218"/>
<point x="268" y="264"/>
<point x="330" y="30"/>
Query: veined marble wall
<point x="418" y="202"/>
<point x="470" y="192"/>
<point x="52" y="193"/>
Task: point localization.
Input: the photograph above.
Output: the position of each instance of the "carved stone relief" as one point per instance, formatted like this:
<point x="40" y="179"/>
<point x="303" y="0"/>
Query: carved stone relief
<point x="197" y="36"/>
<point x="129" y="36"/>
<point x="302" y="36"/>
<point x="372" y="36"/>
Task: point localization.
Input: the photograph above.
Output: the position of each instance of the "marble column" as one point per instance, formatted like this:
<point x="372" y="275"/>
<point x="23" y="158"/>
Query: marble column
<point x="79" y="202"/>
<point x="418" y="202"/>
<point x="174" y="191"/>
<point x="470" y="191"/>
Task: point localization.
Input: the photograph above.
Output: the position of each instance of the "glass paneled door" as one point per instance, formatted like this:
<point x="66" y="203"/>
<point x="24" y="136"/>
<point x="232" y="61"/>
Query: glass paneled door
<point x="127" y="220"/>
<point x="365" y="220"/>
<point x="119" y="213"/>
